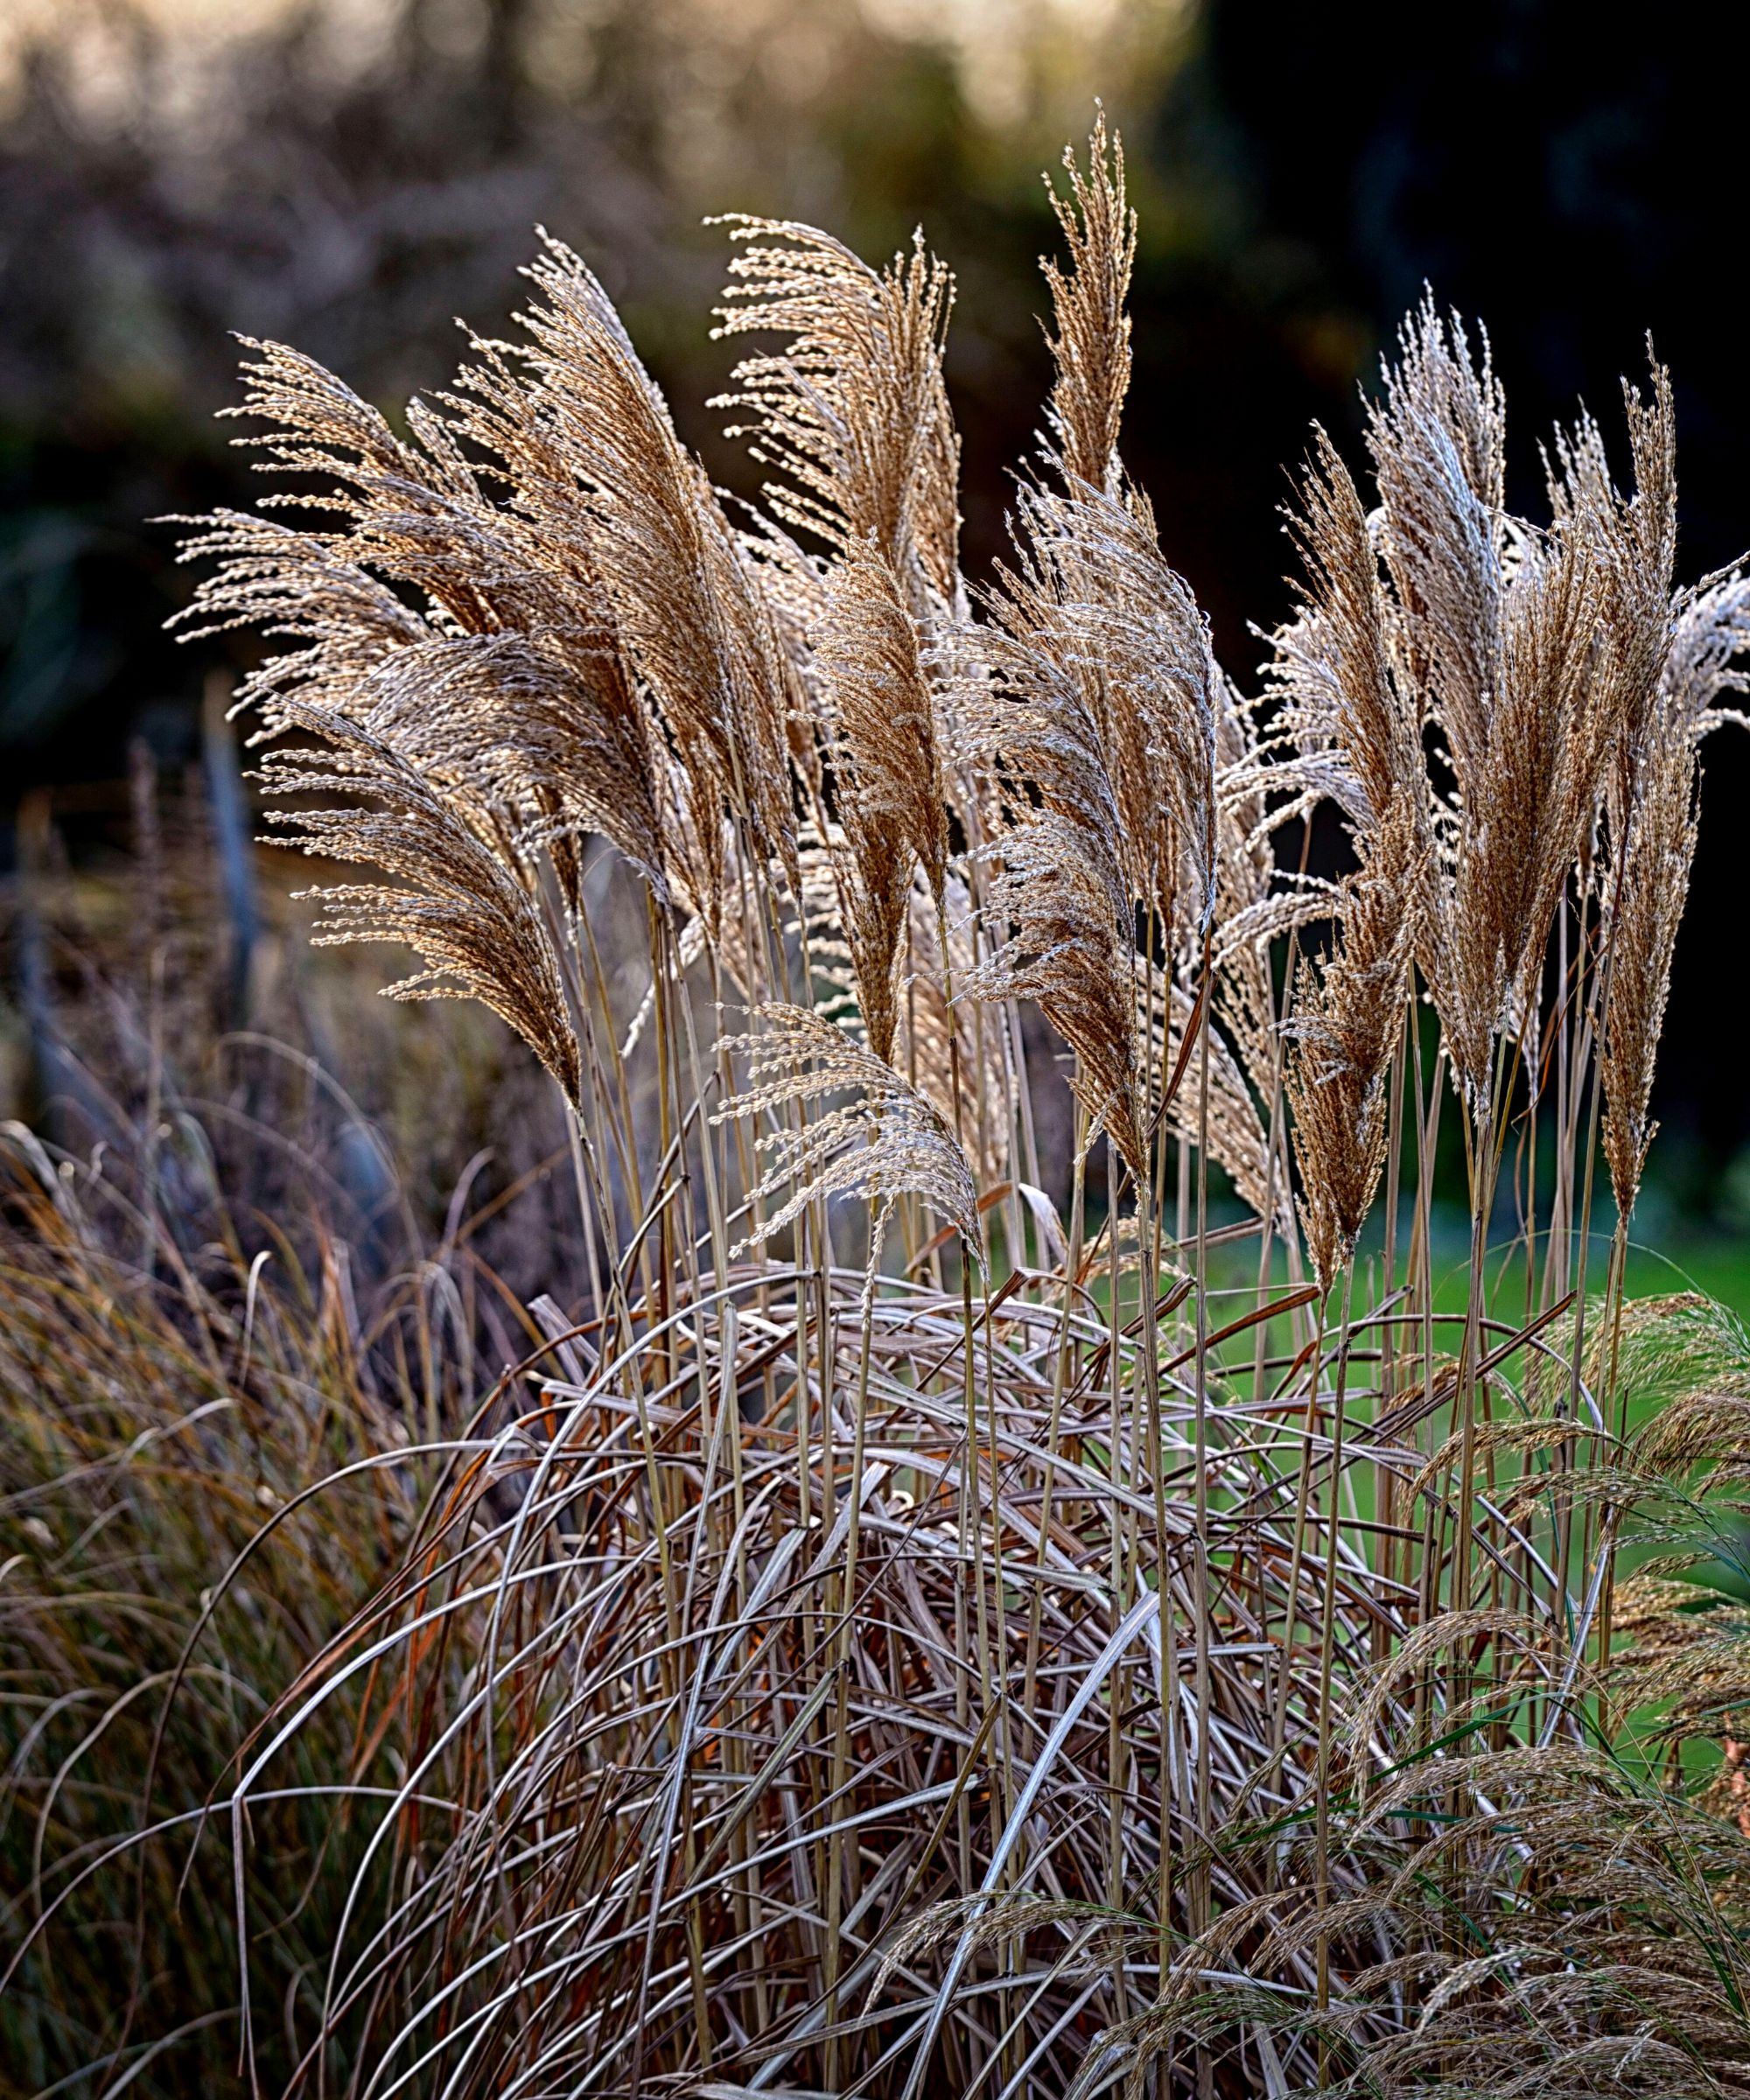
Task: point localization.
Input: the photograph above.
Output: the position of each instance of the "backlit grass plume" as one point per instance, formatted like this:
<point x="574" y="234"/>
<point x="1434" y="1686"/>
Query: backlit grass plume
<point x="1005" y="1574"/>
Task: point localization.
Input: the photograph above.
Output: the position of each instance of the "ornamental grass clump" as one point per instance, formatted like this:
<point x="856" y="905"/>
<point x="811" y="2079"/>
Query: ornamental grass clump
<point x="921" y="1626"/>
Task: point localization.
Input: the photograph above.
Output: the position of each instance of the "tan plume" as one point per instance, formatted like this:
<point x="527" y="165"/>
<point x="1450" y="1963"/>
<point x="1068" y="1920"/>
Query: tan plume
<point x="1091" y="347"/>
<point x="887" y="772"/>
<point x="689" y="612"/>
<point x="476" y="927"/>
<point x="1070" y="947"/>
<point x="1349" y="1019"/>
<point x="1647" y="882"/>
<point x="854" y="412"/>
<point x="889" y="1142"/>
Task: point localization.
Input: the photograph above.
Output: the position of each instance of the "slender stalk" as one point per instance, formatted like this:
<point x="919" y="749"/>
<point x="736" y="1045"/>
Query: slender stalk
<point x="1327" y="1636"/>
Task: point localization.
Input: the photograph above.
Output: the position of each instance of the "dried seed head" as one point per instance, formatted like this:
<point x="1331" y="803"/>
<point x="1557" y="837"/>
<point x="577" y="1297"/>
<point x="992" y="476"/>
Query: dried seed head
<point x="1103" y="693"/>
<point x="890" y="1143"/>
<point x="1651" y="848"/>
<point x="1446" y="626"/>
<point x="1070" y="947"/>
<point x="854" y="412"/>
<point x="1091" y="347"/>
<point x="881" y="710"/>
<point x="880" y="729"/>
<point x="1348" y="1023"/>
<point x="476" y="927"/>
<point x="687" y="606"/>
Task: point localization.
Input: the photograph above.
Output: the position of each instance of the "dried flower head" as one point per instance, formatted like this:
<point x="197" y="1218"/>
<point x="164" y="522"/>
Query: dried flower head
<point x="1091" y="348"/>
<point x="478" y="928"/>
<point x="1647" y="878"/>
<point x="890" y="1142"/>
<point x="1348" y="1023"/>
<point x="880" y="729"/>
<point x="854" y="413"/>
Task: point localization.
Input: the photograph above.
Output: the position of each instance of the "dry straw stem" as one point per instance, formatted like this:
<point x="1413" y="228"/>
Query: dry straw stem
<point x="808" y="1676"/>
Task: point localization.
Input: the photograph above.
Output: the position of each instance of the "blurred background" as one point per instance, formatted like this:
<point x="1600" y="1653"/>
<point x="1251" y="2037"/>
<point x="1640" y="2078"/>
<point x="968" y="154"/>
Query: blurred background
<point x="350" y="175"/>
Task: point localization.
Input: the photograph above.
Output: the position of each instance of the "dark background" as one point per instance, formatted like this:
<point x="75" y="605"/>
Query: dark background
<point x="1301" y="172"/>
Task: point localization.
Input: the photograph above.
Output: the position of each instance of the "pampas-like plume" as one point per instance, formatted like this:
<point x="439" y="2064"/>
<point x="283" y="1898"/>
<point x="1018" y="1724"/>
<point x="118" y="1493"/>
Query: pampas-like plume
<point x="1349" y="1024"/>
<point x="1091" y="348"/>
<point x="1142" y="632"/>
<point x="1495" y="624"/>
<point x="508" y="719"/>
<point x="476" y="927"/>
<point x="1099" y="703"/>
<point x="1354" y="735"/>
<point x="881" y="730"/>
<point x="1522" y="652"/>
<point x="1648" y="895"/>
<point x="854" y="412"/>
<point x="1103" y="692"/>
<point x="1635" y="542"/>
<point x="1711" y="627"/>
<point x="889" y="1142"/>
<point x="513" y="668"/>
<point x="298" y="587"/>
<point x="1070" y="948"/>
<point x="879" y="709"/>
<point x="1093" y="588"/>
<point x="686" y="603"/>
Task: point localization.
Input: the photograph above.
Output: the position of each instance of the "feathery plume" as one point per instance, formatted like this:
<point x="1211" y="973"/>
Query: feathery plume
<point x="1647" y="899"/>
<point x="511" y="668"/>
<point x="1091" y="348"/>
<point x="1633" y="541"/>
<point x="506" y="719"/>
<point x="879" y="706"/>
<point x="1098" y="704"/>
<point x="1648" y="878"/>
<point x="1352" y="734"/>
<point x="1102" y="692"/>
<point x="475" y="927"/>
<point x="1343" y="1037"/>
<point x="890" y="1143"/>
<point x="854" y="412"/>
<point x="881" y="733"/>
<point x="1519" y="653"/>
<point x="1071" y="948"/>
<point x="688" y="611"/>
